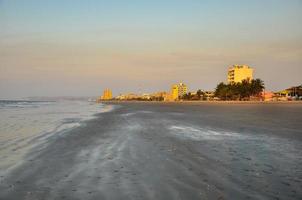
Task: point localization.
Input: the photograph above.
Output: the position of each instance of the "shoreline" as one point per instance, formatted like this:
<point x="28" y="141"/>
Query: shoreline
<point x="204" y="102"/>
<point x="18" y="142"/>
<point x="164" y="151"/>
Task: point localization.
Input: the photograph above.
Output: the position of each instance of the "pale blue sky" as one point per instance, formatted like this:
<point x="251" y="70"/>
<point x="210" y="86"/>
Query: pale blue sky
<point x="51" y="48"/>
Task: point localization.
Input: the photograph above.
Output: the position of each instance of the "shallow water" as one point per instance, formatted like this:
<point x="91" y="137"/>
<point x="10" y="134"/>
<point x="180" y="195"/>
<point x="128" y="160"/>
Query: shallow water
<point x="24" y="124"/>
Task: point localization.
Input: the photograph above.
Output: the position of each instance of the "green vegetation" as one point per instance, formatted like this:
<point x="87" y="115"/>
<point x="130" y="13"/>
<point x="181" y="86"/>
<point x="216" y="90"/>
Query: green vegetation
<point x="239" y="91"/>
<point x="200" y="95"/>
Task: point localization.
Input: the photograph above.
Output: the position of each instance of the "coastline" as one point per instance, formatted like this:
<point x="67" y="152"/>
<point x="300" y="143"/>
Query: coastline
<point x="43" y="123"/>
<point x="202" y="102"/>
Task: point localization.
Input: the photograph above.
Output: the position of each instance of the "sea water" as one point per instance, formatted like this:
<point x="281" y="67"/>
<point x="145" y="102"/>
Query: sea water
<point x="25" y="124"/>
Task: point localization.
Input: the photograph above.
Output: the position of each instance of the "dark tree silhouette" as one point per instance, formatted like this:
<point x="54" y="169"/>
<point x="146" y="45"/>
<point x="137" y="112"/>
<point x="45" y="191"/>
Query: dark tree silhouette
<point x="239" y="91"/>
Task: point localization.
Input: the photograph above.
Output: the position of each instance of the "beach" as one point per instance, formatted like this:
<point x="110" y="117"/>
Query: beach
<point x="141" y="150"/>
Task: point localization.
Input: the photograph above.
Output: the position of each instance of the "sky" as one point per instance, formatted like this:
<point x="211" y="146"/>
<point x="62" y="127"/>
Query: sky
<point x="79" y="48"/>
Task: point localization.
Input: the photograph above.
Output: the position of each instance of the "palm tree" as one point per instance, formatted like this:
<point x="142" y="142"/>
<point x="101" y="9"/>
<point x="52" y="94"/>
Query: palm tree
<point x="257" y="86"/>
<point x="200" y="94"/>
<point x="240" y="91"/>
<point x="222" y="91"/>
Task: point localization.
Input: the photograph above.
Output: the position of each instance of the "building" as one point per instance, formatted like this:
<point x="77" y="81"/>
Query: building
<point x="238" y="73"/>
<point x="159" y="96"/>
<point x="292" y="93"/>
<point x="120" y="97"/>
<point x="146" y="96"/>
<point x="209" y="95"/>
<point x="178" y="90"/>
<point x="167" y="97"/>
<point x="267" y="95"/>
<point x="295" y="91"/>
<point x="128" y="97"/>
<point x="107" y="95"/>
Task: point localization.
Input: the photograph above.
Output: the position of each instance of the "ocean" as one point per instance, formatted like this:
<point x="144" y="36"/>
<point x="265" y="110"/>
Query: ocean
<point x="24" y="124"/>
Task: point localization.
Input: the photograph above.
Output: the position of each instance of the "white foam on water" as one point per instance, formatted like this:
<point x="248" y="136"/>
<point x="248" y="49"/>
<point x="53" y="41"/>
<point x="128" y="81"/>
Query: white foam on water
<point x="146" y="112"/>
<point x="138" y="112"/>
<point x="128" y="114"/>
<point x="197" y="133"/>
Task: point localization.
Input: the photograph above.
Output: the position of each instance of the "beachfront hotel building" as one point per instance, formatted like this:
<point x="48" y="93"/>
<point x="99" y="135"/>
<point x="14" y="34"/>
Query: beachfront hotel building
<point x="107" y="94"/>
<point x="238" y="73"/>
<point x="178" y="90"/>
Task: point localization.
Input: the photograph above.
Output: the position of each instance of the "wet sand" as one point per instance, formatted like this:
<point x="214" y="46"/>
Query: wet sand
<point x="169" y="151"/>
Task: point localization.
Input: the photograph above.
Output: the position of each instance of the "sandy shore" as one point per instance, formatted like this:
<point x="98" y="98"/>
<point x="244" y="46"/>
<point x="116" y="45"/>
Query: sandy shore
<point x="169" y="151"/>
<point x="204" y="102"/>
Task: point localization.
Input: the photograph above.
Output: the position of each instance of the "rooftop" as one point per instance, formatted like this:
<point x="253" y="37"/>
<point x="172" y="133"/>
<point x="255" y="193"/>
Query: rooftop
<point x="239" y="66"/>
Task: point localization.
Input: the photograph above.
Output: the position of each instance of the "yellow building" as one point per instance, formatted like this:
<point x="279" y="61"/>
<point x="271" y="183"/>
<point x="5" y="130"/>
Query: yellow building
<point x="107" y="94"/>
<point x="178" y="90"/>
<point x="238" y="73"/>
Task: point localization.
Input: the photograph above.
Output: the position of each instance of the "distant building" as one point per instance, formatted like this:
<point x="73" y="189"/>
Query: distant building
<point x="178" y="90"/>
<point x="120" y="97"/>
<point x="145" y="96"/>
<point x="107" y="95"/>
<point x="131" y="96"/>
<point x="292" y="93"/>
<point x="267" y="95"/>
<point x="167" y="97"/>
<point x="295" y="91"/>
<point x="238" y="73"/>
<point x="209" y="95"/>
<point x="160" y="96"/>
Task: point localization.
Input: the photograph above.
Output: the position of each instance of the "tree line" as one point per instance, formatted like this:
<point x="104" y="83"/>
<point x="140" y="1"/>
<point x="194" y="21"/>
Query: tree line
<point x="239" y="91"/>
<point x="200" y="95"/>
<point x="235" y="91"/>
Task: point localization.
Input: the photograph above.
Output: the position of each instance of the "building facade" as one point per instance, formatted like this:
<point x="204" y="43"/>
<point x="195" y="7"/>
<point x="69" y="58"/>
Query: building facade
<point x="107" y="94"/>
<point x="178" y="90"/>
<point x="238" y="73"/>
<point x="292" y="93"/>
